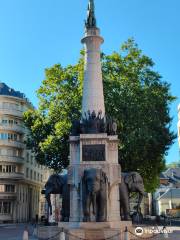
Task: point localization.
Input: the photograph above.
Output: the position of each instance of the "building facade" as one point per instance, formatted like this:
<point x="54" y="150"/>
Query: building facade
<point x="178" y="125"/>
<point x="21" y="178"/>
<point x="167" y="196"/>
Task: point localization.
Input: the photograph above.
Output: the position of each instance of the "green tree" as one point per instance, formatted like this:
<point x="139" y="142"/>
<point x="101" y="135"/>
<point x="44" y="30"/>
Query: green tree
<point x="135" y="96"/>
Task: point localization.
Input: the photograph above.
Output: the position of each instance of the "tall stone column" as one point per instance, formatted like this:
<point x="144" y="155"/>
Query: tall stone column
<point x="93" y="143"/>
<point x="93" y="97"/>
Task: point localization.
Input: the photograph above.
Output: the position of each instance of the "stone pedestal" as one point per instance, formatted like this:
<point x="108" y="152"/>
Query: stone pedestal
<point x="94" y="151"/>
<point x="95" y="231"/>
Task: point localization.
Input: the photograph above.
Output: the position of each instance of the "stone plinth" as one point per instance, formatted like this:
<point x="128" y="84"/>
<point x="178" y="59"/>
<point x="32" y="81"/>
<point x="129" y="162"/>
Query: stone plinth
<point x="106" y="148"/>
<point x="95" y="231"/>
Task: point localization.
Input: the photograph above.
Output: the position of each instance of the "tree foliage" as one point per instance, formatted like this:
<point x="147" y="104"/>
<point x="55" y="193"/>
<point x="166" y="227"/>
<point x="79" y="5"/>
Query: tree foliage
<point x="135" y="95"/>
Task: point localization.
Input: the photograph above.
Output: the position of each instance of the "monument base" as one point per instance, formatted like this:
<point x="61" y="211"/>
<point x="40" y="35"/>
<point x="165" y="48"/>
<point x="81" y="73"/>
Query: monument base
<point x="95" y="230"/>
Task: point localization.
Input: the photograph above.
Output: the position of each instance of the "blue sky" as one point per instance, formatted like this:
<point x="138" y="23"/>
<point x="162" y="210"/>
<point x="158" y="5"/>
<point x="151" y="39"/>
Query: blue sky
<point x="35" y="34"/>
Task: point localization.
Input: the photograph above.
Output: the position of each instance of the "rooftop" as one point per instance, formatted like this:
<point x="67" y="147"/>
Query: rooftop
<point x="5" y="90"/>
<point x="170" y="193"/>
<point x="173" y="173"/>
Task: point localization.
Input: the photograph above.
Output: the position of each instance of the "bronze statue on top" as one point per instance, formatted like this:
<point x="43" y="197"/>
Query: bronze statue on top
<point x="91" y="20"/>
<point x="93" y="124"/>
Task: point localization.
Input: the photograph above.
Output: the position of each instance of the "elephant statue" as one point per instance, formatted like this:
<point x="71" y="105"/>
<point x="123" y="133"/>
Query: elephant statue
<point x="94" y="195"/>
<point x="130" y="182"/>
<point x="57" y="184"/>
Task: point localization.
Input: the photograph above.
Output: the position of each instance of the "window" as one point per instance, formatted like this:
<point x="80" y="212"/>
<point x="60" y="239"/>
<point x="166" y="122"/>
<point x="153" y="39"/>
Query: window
<point x="7" y="168"/>
<point x="9" y="188"/>
<point x="34" y="175"/>
<point x="31" y="174"/>
<point x="5" y="207"/>
<point x="12" y="136"/>
<point x="1" y="188"/>
<point x="9" y="136"/>
<point x="13" y="168"/>
<point x="31" y="159"/>
<point x="27" y="156"/>
<point x="11" y="121"/>
<point x="23" y="195"/>
<point x="4" y="121"/>
<point x="27" y="172"/>
<point x="3" y="136"/>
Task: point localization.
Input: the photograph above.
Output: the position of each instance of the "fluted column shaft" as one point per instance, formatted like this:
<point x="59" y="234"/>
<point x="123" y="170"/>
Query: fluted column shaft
<point x="93" y="96"/>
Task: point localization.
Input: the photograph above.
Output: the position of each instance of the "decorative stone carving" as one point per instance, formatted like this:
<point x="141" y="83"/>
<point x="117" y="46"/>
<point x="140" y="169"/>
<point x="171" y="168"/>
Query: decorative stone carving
<point x="91" y="20"/>
<point x="130" y="182"/>
<point x="93" y="124"/>
<point x="94" y="192"/>
<point x="58" y="184"/>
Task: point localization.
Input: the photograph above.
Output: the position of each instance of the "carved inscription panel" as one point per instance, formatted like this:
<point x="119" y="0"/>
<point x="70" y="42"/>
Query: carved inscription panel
<point x="93" y="152"/>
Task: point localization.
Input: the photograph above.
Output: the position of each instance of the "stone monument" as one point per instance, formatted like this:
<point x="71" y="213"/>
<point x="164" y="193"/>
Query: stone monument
<point x="94" y="173"/>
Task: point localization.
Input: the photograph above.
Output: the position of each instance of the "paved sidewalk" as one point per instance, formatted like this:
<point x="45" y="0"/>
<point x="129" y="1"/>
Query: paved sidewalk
<point x="15" y="231"/>
<point x="19" y="238"/>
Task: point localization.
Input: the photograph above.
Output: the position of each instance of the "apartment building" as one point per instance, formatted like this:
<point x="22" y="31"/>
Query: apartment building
<point x="178" y="125"/>
<point x="21" y="177"/>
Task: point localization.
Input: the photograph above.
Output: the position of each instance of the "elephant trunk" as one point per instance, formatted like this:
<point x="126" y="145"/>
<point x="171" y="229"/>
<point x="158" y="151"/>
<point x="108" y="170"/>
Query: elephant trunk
<point x="94" y="203"/>
<point x="48" y="199"/>
<point x="140" y="197"/>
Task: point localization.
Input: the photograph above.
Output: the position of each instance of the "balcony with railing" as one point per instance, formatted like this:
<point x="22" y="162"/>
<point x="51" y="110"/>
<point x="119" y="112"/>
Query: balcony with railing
<point x="11" y="111"/>
<point x="12" y="143"/>
<point x="11" y="159"/>
<point x="8" y="195"/>
<point x="12" y="127"/>
<point x="12" y="175"/>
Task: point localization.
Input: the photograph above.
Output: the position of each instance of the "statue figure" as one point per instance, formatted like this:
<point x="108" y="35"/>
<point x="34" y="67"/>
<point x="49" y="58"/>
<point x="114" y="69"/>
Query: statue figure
<point x="111" y="126"/>
<point x="130" y="182"/>
<point x="91" y="20"/>
<point x="93" y="123"/>
<point x="94" y="190"/>
<point x="57" y="184"/>
<point x="76" y="128"/>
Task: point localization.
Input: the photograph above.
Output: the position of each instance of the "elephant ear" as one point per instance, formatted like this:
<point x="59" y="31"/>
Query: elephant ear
<point x="60" y="182"/>
<point x="104" y="178"/>
<point x="129" y="180"/>
<point x="84" y="176"/>
<point x="84" y="186"/>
